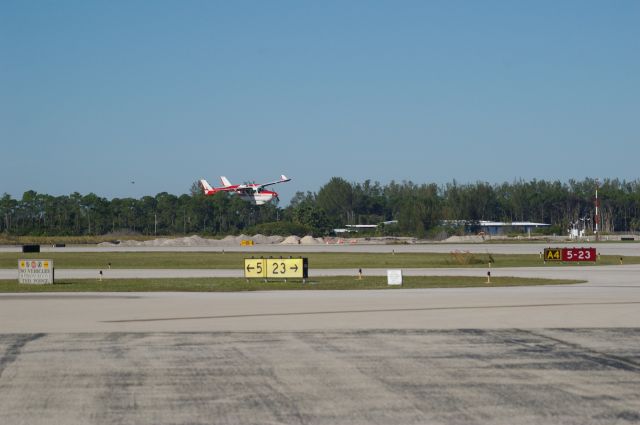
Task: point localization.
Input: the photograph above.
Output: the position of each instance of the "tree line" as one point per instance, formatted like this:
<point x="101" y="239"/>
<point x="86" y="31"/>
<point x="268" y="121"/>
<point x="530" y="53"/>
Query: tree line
<point x="422" y="210"/>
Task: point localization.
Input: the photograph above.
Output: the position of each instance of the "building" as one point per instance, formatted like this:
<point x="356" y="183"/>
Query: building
<point x="363" y="227"/>
<point x="501" y="228"/>
<point x="495" y="228"/>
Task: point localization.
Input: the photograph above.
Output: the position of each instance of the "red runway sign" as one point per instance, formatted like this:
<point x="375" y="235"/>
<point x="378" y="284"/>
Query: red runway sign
<point x="579" y="254"/>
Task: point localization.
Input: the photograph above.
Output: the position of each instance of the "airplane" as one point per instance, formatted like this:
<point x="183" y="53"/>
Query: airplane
<point x="250" y="192"/>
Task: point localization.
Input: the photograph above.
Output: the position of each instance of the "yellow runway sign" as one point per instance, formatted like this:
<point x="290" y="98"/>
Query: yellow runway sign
<point x="287" y="268"/>
<point x="276" y="268"/>
<point x="255" y="268"/>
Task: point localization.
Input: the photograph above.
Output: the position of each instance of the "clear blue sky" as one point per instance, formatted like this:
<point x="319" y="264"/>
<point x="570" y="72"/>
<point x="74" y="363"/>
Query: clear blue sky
<point x="96" y="94"/>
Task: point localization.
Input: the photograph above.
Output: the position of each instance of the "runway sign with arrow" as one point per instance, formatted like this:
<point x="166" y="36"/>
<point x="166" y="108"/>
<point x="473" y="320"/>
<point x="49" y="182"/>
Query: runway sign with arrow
<point x="287" y="268"/>
<point x="255" y="268"/>
<point x="276" y="268"/>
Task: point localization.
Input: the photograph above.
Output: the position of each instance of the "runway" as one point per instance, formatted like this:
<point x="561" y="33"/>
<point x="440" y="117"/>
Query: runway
<point x="610" y="298"/>
<point x="511" y="376"/>
<point x="566" y="354"/>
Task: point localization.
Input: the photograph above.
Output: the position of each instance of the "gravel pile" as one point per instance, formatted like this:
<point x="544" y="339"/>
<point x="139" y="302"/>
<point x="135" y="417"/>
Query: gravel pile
<point x="459" y="239"/>
<point x="291" y="240"/>
<point x="259" y="239"/>
<point x="308" y="240"/>
<point x="195" y="240"/>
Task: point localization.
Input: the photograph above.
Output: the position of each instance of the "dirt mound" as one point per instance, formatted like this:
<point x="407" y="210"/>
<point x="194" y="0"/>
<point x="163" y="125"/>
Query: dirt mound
<point x="291" y="240"/>
<point x="275" y="239"/>
<point x="107" y="244"/>
<point x="471" y="238"/>
<point x="308" y="240"/>
<point x="195" y="241"/>
<point x="259" y="239"/>
<point x="229" y="238"/>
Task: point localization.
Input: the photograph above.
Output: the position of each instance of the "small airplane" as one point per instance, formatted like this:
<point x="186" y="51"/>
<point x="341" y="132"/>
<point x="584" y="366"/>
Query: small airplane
<point x="251" y="192"/>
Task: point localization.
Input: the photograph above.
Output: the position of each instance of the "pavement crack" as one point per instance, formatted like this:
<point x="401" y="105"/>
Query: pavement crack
<point x="13" y="351"/>
<point x="367" y="311"/>
<point x="595" y="356"/>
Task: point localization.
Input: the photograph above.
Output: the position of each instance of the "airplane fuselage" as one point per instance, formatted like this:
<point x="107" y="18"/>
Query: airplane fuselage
<point x="261" y="198"/>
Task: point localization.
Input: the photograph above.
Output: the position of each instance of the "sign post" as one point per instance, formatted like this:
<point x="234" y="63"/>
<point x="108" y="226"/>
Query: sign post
<point x="570" y="255"/>
<point x="284" y="268"/>
<point x="552" y="254"/>
<point x="394" y="277"/>
<point x="35" y="272"/>
<point x="276" y="268"/>
<point x="255" y="268"/>
<point x="579" y="254"/>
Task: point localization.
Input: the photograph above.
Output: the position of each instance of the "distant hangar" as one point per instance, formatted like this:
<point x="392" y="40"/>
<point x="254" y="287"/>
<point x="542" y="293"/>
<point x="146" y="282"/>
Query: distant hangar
<point x="500" y="227"/>
<point x="488" y="227"/>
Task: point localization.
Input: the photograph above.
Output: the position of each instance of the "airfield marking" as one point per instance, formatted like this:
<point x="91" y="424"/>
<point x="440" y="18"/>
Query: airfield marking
<point x="391" y="310"/>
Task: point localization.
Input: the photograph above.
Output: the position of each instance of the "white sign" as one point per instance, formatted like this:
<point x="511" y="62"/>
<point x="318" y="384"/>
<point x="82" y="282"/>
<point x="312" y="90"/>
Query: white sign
<point x="36" y="272"/>
<point x="394" y="277"/>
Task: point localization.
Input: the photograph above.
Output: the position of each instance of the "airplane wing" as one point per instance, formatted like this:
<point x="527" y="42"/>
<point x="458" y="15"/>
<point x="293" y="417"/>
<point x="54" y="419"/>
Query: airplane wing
<point x="228" y="189"/>
<point x="283" y="179"/>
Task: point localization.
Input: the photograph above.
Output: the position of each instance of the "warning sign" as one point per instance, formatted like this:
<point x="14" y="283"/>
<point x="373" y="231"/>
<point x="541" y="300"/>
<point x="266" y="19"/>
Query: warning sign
<point x="37" y="272"/>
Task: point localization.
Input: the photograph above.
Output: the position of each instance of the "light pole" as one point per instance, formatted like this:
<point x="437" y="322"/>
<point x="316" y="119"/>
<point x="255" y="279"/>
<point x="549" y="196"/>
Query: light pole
<point x="597" y="219"/>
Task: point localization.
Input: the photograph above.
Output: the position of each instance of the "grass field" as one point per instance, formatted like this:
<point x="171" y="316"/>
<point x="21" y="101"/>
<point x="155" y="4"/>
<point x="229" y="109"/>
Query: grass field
<point x="323" y="260"/>
<point x="239" y="284"/>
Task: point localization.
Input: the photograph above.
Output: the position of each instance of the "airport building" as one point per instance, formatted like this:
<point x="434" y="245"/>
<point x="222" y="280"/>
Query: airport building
<point x="493" y="228"/>
<point x="351" y="228"/>
<point x="496" y="228"/>
<point x="501" y="228"/>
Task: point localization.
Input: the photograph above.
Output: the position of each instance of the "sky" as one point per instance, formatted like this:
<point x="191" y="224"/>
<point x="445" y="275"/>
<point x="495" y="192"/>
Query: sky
<point x="133" y="98"/>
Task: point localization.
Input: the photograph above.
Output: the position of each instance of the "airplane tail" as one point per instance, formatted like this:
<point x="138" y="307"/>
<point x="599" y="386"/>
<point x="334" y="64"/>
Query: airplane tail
<point x="225" y="181"/>
<point x="284" y="178"/>
<point x="206" y="187"/>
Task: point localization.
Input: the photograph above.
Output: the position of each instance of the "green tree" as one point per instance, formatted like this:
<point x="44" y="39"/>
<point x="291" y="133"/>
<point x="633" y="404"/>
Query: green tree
<point x="336" y="200"/>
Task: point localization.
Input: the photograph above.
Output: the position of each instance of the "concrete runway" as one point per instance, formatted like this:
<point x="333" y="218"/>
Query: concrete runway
<point x="611" y="298"/>
<point x="511" y="376"/>
<point x="522" y="355"/>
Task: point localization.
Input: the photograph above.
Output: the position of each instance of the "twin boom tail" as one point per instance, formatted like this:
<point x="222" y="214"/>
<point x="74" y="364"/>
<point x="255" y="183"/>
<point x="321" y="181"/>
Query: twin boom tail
<point x="206" y="187"/>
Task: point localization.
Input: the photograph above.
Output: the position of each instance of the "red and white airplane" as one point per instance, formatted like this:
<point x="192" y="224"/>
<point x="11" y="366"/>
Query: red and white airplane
<point x="251" y="192"/>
